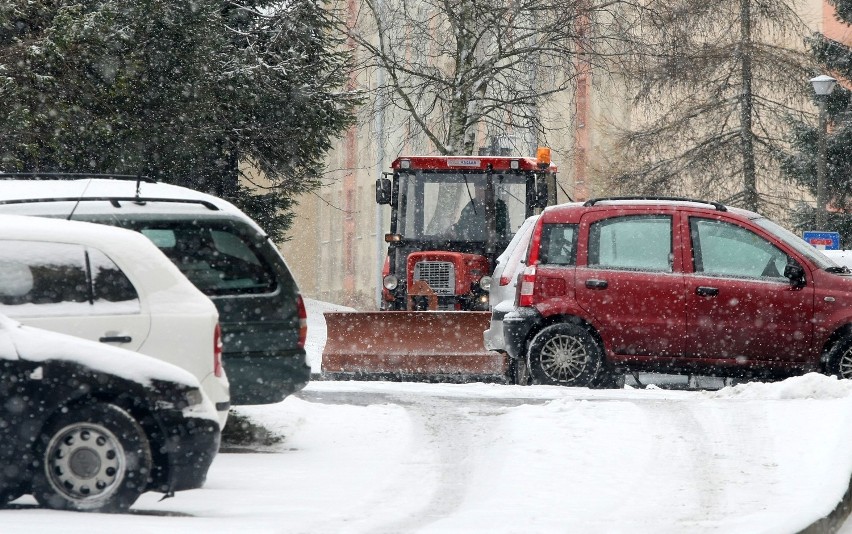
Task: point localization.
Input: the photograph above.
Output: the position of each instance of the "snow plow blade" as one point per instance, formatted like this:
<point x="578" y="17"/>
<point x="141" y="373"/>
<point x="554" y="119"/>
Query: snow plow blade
<point x="431" y="346"/>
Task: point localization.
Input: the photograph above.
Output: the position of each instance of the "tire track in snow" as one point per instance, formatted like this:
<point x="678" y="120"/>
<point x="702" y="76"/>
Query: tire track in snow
<point x="451" y="432"/>
<point x="432" y="481"/>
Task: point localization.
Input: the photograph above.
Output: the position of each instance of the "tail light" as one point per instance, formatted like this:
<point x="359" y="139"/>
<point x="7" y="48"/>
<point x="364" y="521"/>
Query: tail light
<point x="303" y="321"/>
<point x="217" y="351"/>
<point x="526" y="283"/>
<point x="526" y="286"/>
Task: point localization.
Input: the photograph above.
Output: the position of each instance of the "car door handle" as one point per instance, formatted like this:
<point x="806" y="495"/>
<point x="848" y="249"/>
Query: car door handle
<point x="115" y="339"/>
<point x="597" y="284"/>
<point x="703" y="291"/>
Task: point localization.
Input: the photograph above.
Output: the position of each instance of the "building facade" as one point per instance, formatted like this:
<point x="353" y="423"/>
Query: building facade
<point x="336" y="246"/>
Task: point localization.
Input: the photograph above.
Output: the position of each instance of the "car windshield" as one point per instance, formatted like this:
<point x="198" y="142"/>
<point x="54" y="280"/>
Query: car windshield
<point x="797" y="243"/>
<point x="435" y="205"/>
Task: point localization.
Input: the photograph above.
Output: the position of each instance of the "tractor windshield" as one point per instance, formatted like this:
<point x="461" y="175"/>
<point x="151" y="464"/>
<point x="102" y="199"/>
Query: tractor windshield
<point x="450" y="205"/>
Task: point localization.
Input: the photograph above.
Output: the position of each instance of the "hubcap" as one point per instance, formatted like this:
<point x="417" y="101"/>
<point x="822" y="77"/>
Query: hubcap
<point x="564" y="358"/>
<point x="85" y="461"/>
<point x="844" y="368"/>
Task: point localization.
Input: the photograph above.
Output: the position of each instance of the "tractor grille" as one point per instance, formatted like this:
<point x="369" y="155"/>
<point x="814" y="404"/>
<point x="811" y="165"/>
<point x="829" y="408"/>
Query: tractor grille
<point x="440" y="275"/>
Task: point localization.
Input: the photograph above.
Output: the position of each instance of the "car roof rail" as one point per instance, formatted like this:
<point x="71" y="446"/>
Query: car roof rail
<point x="718" y="205"/>
<point x="115" y="201"/>
<point x="74" y="176"/>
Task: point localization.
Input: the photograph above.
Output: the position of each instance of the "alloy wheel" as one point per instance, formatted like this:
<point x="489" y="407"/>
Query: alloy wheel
<point x="564" y="358"/>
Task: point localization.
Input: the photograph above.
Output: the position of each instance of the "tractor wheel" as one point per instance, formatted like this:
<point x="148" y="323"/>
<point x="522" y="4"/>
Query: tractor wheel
<point x="520" y="372"/>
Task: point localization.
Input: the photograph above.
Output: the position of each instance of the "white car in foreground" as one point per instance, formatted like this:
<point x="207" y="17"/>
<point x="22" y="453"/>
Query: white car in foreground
<point x="114" y="286"/>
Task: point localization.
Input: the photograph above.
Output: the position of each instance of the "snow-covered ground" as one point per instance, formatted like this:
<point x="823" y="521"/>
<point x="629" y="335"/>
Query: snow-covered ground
<point x="376" y="457"/>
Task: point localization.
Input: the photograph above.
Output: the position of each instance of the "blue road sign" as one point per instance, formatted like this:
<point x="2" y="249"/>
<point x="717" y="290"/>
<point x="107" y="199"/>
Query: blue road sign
<point x="823" y="240"/>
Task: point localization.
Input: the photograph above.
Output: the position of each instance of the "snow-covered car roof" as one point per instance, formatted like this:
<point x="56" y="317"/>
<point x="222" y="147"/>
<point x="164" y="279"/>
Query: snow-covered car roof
<point x="63" y="192"/>
<point x="36" y="344"/>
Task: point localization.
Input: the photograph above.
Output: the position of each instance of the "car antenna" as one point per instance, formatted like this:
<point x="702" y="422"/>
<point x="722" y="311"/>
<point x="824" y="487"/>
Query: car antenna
<point x="80" y="198"/>
<point x="564" y="191"/>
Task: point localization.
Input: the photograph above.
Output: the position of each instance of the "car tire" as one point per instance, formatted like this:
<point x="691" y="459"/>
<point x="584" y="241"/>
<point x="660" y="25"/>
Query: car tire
<point x="565" y="354"/>
<point x="94" y="458"/>
<point x="840" y="358"/>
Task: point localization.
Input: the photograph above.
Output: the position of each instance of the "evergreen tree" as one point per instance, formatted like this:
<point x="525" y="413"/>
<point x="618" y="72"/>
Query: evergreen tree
<point x="800" y="164"/>
<point x="180" y="91"/>
<point x="717" y="81"/>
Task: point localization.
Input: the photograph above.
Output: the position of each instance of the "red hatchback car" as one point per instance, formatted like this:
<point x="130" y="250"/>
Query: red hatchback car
<point x="675" y="285"/>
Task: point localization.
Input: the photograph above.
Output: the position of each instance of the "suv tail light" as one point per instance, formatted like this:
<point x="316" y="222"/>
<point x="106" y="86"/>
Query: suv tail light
<point x="217" y="351"/>
<point x="526" y="283"/>
<point x="526" y="286"/>
<point x="303" y="321"/>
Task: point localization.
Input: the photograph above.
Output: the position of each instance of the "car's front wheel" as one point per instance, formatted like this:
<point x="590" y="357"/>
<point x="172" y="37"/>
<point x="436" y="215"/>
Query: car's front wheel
<point x="565" y="354"/>
<point x="840" y="358"/>
<point x="94" y="458"/>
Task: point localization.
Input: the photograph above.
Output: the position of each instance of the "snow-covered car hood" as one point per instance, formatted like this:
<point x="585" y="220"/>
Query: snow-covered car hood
<point x="35" y="344"/>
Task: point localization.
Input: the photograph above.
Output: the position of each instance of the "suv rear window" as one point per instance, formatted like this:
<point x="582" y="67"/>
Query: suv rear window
<point x="215" y="256"/>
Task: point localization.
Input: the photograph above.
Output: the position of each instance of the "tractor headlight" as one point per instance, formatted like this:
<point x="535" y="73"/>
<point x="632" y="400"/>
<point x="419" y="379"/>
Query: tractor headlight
<point x="390" y="282"/>
<point x="485" y="283"/>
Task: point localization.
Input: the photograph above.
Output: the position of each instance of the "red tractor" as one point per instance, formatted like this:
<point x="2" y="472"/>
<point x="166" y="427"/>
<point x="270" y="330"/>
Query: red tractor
<point x="451" y="216"/>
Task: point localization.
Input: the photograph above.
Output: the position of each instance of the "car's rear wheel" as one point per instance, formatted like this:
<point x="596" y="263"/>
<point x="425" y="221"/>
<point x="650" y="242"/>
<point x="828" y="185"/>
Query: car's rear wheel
<point x="565" y="354"/>
<point x="94" y="458"/>
<point x="840" y="358"/>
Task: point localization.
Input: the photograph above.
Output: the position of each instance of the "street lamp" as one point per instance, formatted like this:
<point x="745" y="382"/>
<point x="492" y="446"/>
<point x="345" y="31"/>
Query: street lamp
<point x="823" y="86"/>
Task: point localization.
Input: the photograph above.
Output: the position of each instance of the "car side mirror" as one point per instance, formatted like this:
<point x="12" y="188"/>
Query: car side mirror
<point x="796" y="274"/>
<point x="383" y="191"/>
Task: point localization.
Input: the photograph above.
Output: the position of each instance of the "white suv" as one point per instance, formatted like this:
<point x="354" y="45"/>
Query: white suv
<point x="114" y="286"/>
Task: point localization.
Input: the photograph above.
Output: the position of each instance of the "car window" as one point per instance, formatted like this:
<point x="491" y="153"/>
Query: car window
<point x="50" y="279"/>
<point x="558" y="244"/>
<point x="724" y="249"/>
<point x="109" y="284"/>
<point x="216" y="257"/>
<point x="633" y="242"/>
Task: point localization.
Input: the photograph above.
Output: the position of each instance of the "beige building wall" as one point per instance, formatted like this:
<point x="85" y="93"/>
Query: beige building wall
<point x="336" y="249"/>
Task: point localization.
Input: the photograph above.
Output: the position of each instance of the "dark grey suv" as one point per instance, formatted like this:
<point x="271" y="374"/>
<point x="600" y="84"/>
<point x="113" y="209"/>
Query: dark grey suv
<point x="217" y="246"/>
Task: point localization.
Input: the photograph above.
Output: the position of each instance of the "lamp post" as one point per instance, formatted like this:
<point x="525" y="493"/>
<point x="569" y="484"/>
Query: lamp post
<point x="823" y="86"/>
